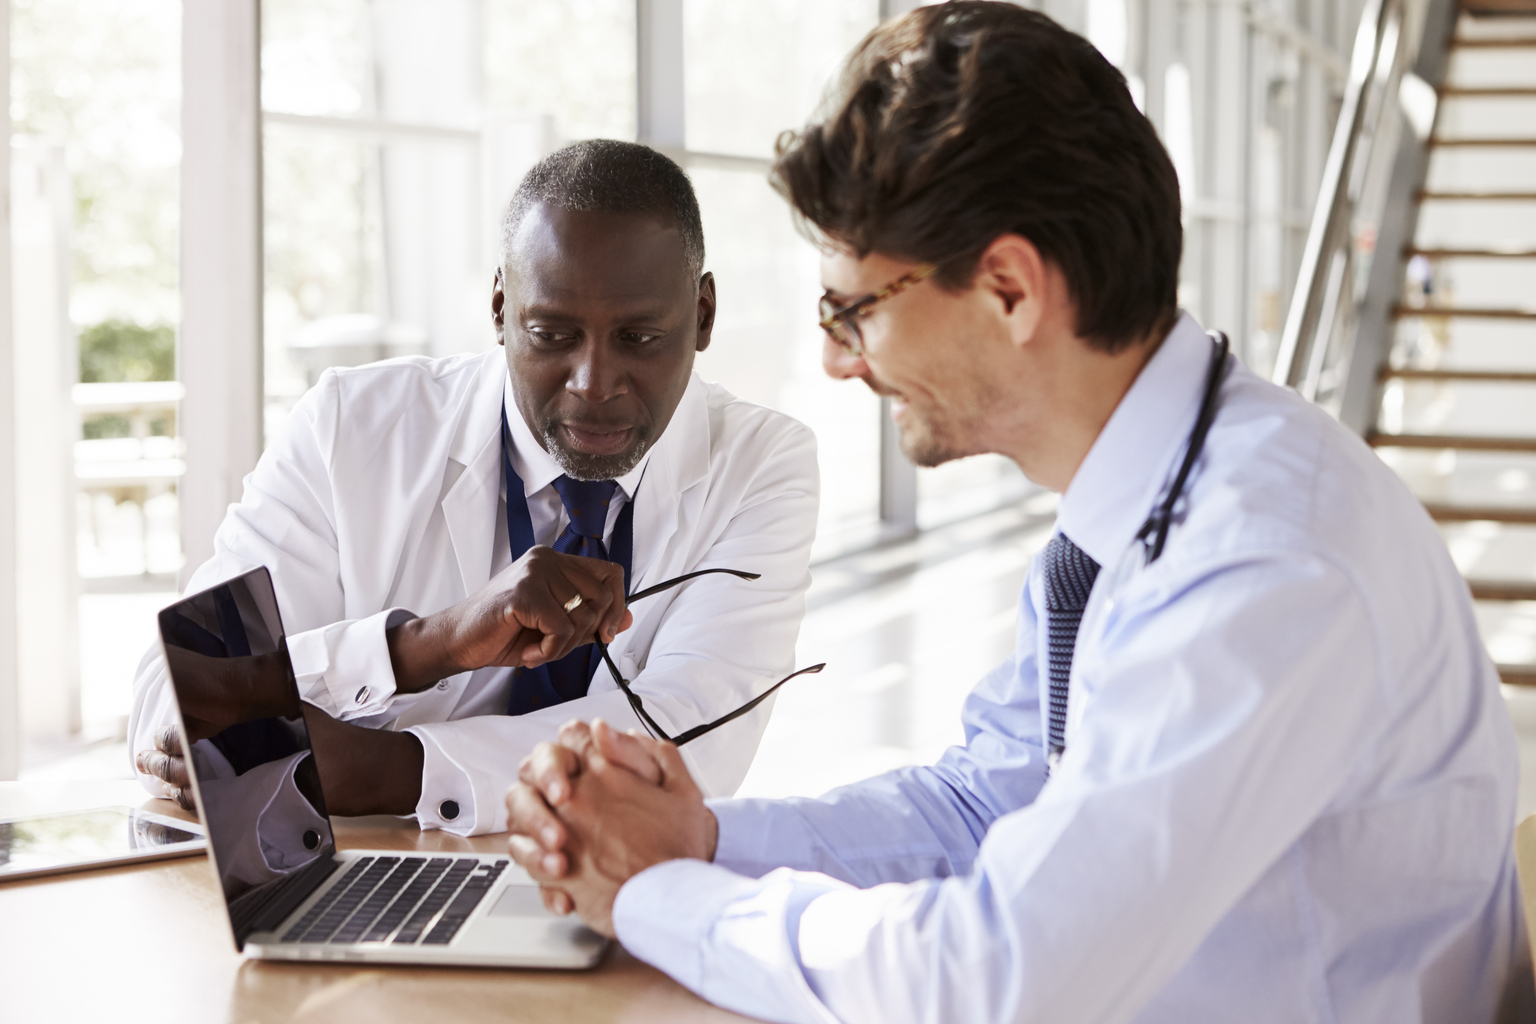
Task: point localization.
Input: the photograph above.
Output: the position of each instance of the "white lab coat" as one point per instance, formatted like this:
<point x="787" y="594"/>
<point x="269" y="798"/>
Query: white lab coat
<point x="380" y="498"/>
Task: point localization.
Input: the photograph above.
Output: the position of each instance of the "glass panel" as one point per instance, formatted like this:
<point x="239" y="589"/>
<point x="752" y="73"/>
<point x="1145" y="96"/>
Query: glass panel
<point x="315" y="57"/>
<point x="734" y="49"/>
<point x="767" y="347"/>
<point x="394" y="136"/>
<point x="95" y="150"/>
<point x="967" y="487"/>
<point x="572" y="61"/>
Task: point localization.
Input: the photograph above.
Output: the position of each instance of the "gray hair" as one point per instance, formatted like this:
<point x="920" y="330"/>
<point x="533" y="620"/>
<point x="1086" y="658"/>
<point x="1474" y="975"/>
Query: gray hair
<point x="605" y="176"/>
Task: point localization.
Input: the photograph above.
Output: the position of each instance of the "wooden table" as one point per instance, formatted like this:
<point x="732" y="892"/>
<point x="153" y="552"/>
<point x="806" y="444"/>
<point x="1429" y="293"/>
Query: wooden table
<point x="151" y="942"/>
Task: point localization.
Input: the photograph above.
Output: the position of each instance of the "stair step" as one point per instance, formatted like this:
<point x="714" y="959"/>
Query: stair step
<point x="1517" y="675"/>
<point x="1481" y="513"/>
<point x="1464" y="312"/>
<point x="1502" y="590"/>
<point x="1486" y="91"/>
<point x="1490" y="197"/>
<point x="1464" y="442"/>
<point x="1497" y="8"/>
<point x="1473" y="254"/>
<point x="1468" y="142"/>
<point x="1504" y="376"/>
<point x="1495" y="43"/>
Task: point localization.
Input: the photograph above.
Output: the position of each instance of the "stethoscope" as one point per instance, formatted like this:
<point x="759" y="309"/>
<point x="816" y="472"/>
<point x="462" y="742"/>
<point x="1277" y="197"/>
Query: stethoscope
<point x="1154" y="532"/>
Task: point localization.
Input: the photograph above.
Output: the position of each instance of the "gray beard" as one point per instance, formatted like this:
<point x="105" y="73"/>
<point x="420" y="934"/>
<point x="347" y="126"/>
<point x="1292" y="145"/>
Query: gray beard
<point x="580" y="466"/>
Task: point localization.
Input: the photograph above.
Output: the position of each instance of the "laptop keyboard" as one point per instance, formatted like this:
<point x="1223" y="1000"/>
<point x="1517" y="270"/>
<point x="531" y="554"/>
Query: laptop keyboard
<point x="383" y="899"/>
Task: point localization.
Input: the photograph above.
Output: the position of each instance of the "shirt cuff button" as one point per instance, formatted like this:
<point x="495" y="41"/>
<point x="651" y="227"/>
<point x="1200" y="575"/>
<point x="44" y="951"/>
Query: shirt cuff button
<point x="362" y="695"/>
<point x="311" y="839"/>
<point x="449" y="809"/>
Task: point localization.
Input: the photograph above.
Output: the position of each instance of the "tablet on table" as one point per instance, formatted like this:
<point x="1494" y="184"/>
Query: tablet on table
<point x="105" y="836"/>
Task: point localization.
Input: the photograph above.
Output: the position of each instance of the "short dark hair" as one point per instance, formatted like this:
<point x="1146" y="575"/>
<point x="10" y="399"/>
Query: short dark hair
<point x="606" y="176"/>
<point x="959" y="122"/>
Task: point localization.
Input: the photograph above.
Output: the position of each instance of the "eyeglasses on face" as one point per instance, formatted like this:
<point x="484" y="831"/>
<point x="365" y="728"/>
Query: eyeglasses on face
<point x="842" y="322"/>
<point x="699" y="730"/>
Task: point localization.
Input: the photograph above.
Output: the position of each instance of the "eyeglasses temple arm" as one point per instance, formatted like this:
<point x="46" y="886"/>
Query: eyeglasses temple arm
<point x="669" y="584"/>
<point x="700" y="730"/>
<point x="634" y="699"/>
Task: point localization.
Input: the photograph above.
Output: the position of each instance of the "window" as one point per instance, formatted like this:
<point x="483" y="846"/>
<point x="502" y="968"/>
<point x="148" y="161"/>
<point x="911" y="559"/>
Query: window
<point x="95" y="150"/>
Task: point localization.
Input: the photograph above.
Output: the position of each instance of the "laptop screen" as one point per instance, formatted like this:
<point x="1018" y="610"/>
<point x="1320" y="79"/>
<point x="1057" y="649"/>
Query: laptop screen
<point x="257" y="786"/>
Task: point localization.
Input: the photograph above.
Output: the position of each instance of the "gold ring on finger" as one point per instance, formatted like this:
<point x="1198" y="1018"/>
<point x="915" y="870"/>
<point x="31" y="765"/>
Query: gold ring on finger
<point x="573" y="603"/>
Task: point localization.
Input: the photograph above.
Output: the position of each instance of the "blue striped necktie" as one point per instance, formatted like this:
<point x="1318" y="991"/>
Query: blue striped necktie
<point x="1068" y="574"/>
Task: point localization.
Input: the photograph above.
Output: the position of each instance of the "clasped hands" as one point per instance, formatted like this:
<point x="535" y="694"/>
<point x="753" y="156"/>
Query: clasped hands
<point x="597" y="807"/>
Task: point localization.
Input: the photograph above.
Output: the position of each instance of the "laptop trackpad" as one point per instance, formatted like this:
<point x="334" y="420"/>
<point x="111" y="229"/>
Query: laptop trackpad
<point x="520" y="901"/>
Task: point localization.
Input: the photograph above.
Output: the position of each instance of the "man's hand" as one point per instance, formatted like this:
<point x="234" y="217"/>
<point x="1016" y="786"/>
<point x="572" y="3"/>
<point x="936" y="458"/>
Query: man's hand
<point x="518" y="619"/>
<point x="619" y="803"/>
<point x="168" y="763"/>
<point x="549" y="774"/>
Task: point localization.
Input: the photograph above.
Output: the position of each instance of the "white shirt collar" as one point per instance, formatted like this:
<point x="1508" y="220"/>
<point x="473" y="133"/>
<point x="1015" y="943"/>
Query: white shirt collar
<point x="1114" y="489"/>
<point x="537" y="468"/>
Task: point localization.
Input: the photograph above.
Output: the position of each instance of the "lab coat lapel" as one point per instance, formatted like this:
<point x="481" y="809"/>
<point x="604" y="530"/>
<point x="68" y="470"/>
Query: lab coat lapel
<point x="669" y="490"/>
<point x="470" y="504"/>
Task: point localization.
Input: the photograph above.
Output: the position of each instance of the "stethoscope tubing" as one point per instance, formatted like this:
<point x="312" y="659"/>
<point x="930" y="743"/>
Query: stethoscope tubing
<point x="1158" y="524"/>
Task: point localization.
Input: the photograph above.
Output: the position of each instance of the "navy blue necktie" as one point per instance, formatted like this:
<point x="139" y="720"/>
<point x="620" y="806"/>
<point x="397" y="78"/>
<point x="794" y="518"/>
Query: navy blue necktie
<point x="1068" y="575"/>
<point x="586" y="508"/>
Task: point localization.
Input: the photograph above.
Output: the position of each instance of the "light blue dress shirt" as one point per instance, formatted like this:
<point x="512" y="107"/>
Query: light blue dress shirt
<point x="1288" y="791"/>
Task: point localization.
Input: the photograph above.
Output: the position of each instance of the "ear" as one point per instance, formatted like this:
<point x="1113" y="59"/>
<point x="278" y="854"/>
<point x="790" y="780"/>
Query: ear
<point x="1012" y="270"/>
<point x="706" y="311"/>
<point x="498" y="306"/>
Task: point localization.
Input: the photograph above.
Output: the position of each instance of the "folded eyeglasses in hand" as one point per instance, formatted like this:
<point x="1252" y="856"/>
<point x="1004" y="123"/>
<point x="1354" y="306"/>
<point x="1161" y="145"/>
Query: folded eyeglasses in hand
<point x="698" y="730"/>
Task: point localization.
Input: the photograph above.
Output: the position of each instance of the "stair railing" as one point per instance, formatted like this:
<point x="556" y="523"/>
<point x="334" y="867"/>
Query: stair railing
<point x="1375" y="166"/>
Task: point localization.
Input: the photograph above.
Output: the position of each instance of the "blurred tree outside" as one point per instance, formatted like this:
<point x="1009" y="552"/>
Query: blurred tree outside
<point x="116" y="351"/>
<point x="103" y="80"/>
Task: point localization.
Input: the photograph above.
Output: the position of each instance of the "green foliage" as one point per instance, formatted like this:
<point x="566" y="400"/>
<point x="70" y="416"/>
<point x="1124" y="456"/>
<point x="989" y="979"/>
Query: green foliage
<point x="115" y="351"/>
<point x="110" y="425"/>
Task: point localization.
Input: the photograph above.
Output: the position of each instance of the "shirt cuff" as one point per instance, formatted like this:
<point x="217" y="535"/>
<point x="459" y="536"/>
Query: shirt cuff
<point x="344" y="668"/>
<point x="727" y="938"/>
<point x="449" y="797"/>
<point x="664" y="915"/>
<point x="289" y="831"/>
<point x="752" y="840"/>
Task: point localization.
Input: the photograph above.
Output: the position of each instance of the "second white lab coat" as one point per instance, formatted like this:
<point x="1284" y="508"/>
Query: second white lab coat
<point x="380" y="498"/>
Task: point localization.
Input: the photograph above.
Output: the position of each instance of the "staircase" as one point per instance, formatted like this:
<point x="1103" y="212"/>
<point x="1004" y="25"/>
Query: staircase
<point x="1414" y="315"/>
<point x="1457" y="377"/>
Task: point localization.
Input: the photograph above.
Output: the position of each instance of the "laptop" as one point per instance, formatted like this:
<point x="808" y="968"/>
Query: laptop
<point x="290" y="894"/>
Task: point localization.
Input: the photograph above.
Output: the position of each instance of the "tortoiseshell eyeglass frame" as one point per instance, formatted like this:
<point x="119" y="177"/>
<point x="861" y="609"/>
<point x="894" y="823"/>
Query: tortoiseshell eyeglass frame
<point x="842" y="323"/>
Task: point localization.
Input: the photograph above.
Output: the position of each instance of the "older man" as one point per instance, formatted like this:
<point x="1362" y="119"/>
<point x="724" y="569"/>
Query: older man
<point x="406" y="509"/>
<point x="1248" y="761"/>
